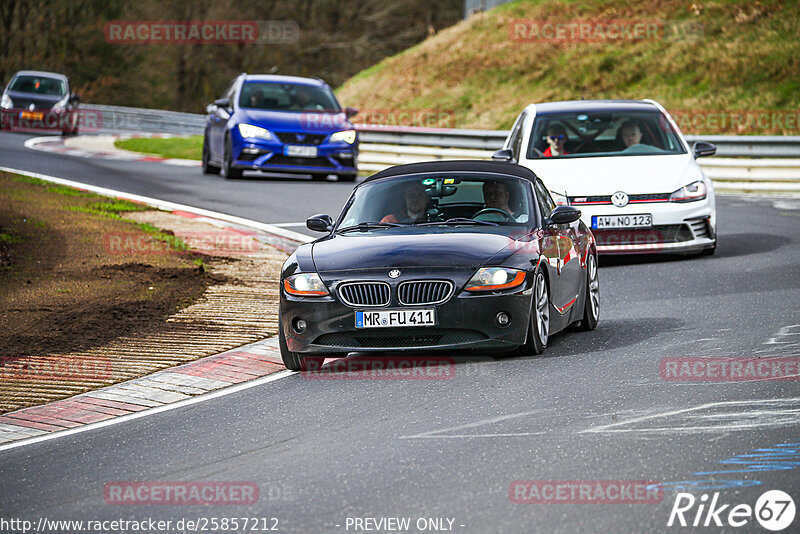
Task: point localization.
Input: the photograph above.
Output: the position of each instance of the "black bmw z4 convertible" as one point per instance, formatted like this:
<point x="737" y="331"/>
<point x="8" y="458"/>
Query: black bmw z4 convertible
<point x="445" y="255"/>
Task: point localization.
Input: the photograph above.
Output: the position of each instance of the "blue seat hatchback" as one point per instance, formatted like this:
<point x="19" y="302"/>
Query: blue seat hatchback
<point x="280" y="124"/>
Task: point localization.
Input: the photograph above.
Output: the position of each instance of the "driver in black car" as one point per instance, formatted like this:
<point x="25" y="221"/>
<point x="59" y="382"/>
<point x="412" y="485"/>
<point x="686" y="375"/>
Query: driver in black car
<point x="416" y="204"/>
<point x="497" y="196"/>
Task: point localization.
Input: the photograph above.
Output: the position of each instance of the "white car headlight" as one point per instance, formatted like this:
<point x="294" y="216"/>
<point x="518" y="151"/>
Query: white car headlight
<point x="305" y="285"/>
<point x="495" y="278"/>
<point x="559" y="199"/>
<point x="6" y="102"/>
<point x="58" y="106"/>
<point x="248" y="130"/>
<point x="689" y="193"/>
<point x="348" y="136"/>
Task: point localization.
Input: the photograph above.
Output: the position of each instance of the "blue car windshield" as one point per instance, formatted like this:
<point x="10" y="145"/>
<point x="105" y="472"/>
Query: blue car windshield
<point x="445" y="198"/>
<point x="592" y="134"/>
<point x="276" y="96"/>
<point x="39" y="85"/>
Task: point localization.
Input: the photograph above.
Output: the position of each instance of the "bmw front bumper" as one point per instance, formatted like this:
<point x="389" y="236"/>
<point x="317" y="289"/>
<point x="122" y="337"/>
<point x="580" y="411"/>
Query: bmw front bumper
<point x="464" y="321"/>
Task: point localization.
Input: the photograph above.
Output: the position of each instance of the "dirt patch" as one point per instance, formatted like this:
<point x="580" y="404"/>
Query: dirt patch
<point x="95" y="291"/>
<point x="62" y="289"/>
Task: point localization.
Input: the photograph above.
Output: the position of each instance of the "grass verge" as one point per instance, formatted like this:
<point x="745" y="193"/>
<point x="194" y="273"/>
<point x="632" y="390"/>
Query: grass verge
<point x="170" y="147"/>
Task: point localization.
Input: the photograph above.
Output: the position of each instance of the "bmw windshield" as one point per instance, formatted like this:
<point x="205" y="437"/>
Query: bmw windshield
<point x="592" y="134"/>
<point x="439" y="200"/>
<point x="275" y="96"/>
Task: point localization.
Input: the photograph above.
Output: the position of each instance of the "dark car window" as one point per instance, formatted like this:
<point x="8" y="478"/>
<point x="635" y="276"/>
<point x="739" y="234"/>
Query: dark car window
<point x="417" y="199"/>
<point x="546" y="203"/>
<point x="40" y="85"/>
<point x="287" y="97"/>
<point x="515" y="140"/>
<point x="591" y="134"/>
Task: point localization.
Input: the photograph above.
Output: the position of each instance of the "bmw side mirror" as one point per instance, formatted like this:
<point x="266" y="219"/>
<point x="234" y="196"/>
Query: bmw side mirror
<point x="504" y="154"/>
<point x="350" y="112"/>
<point x="320" y="223"/>
<point x="703" y="149"/>
<point x="563" y="215"/>
<point x="73" y="97"/>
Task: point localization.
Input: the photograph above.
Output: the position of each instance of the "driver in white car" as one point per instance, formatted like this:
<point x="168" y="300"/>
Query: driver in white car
<point x="630" y="133"/>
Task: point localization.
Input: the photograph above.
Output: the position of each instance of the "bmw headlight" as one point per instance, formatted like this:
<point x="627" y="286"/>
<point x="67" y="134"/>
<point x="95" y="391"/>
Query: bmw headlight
<point x="6" y="102"/>
<point x="495" y="278"/>
<point x="689" y="193"/>
<point x="305" y="285"/>
<point x="248" y="130"/>
<point x="559" y="199"/>
<point x="348" y="136"/>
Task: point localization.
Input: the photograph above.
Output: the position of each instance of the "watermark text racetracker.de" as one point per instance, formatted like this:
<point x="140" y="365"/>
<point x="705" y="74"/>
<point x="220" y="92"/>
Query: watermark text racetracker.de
<point x="615" y="31"/>
<point x="226" y="242"/>
<point x="584" y="492"/>
<point x="720" y="369"/>
<point x="56" y="368"/>
<point x="384" y="368"/>
<point x="165" y="32"/>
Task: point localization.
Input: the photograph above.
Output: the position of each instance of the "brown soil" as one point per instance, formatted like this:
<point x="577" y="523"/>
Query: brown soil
<point x="63" y="290"/>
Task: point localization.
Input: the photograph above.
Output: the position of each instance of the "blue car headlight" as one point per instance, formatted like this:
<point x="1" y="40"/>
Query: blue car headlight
<point x="347" y="136"/>
<point x="248" y="130"/>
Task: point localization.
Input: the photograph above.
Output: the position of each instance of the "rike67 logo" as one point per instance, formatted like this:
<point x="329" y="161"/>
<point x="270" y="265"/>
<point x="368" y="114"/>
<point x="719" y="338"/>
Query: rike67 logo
<point x="774" y="510"/>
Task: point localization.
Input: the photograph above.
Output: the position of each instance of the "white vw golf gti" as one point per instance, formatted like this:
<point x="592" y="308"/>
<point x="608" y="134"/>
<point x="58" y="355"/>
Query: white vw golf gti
<point x="628" y="168"/>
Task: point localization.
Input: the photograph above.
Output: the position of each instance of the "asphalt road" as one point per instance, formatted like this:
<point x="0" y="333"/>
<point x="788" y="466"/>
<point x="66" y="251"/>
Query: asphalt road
<point x="593" y="407"/>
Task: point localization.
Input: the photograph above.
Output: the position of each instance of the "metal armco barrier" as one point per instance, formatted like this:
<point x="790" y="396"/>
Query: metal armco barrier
<point x="757" y="163"/>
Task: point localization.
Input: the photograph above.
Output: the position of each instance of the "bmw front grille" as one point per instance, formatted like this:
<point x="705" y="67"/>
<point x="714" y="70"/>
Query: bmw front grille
<point x="365" y="293"/>
<point x="424" y="292"/>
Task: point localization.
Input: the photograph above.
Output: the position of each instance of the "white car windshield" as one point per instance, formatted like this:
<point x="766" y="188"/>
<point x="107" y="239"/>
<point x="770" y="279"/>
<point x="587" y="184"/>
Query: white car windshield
<point x="593" y="134"/>
<point x="436" y="199"/>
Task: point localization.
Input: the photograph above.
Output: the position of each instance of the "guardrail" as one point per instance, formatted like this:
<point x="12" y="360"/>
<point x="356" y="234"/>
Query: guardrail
<point x="757" y="163"/>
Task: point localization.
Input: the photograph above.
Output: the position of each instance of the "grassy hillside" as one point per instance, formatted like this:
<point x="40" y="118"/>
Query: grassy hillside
<point x="723" y="67"/>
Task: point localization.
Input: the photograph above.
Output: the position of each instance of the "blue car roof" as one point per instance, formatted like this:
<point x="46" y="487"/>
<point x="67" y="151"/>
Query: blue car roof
<point x="274" y="78"/>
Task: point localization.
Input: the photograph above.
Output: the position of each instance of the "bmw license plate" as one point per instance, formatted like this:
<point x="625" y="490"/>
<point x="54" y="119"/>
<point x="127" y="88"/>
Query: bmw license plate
<point x="300" y="151"/>
<point x="395" y="318"/>
<point x="601" y="222"/>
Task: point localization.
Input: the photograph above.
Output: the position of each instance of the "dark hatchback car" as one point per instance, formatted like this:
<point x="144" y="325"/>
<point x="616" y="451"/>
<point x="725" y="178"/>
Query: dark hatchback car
<point x="34" y="101"/>
<point x="439" y="255"/>
<point x="280" y="124"/>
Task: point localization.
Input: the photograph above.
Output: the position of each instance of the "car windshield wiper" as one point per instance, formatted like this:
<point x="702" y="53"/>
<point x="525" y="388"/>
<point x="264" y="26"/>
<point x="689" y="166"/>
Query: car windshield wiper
<point x="459" y="220"/>
<point x="369" y="225"/>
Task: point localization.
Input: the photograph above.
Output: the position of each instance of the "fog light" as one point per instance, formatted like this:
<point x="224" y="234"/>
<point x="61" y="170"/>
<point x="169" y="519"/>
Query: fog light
<point x="345" y="155"/>
<point x="250" y="150"/>
<point x="299" y="325"/>
<point x="503" y="319"/>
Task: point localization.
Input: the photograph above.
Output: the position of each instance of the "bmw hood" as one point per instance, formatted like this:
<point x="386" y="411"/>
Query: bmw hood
<point x="607" y="175"/>
<point x="286" y="121"/>
<point x="384" y="250"/>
